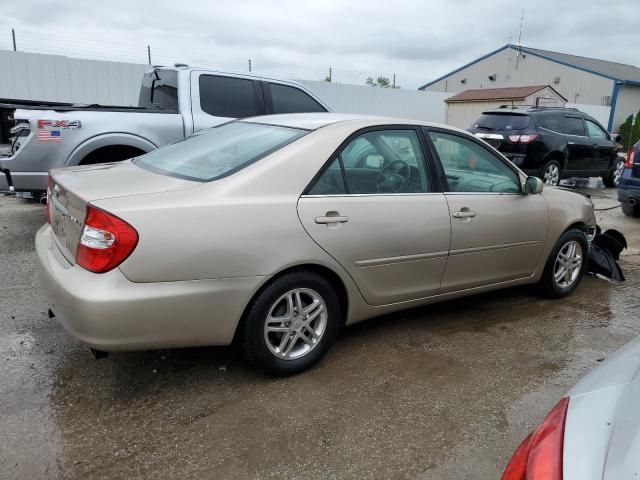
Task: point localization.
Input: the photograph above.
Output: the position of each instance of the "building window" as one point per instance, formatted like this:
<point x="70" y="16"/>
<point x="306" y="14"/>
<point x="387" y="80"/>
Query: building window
<point x="606" y="100"/>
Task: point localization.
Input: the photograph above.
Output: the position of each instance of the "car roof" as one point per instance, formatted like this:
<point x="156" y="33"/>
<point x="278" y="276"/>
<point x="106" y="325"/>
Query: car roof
<point x="314" y="121"/>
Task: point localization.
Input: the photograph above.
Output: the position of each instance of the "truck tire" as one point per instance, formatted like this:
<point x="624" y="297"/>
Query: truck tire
<point x="112" y="153"/>
<point x="551" y="173"/>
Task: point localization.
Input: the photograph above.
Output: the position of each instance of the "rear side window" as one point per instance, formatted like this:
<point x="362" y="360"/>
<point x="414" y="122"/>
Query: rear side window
<point x="292" y="100"/>
<point x="574" y="126"/>
<point x="554" y="123"/>
<point x="219" y="151"/>
<point x="228" y="96"/>
<point x="159" y="90"/>
<point x="501" y="121"/>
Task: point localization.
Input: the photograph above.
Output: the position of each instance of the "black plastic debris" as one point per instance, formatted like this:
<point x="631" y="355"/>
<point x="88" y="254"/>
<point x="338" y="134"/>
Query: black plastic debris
<point x="604" y="254"/>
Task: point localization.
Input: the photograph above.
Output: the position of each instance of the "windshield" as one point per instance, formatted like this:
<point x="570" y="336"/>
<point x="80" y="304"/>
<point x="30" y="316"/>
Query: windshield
<point x="219" y="151"/>
<point x="501" y="121"/>
<point x="159" y="90"/>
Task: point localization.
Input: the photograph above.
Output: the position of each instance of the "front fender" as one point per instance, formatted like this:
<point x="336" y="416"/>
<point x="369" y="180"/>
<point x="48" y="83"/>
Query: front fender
<point x="106" y="140"/>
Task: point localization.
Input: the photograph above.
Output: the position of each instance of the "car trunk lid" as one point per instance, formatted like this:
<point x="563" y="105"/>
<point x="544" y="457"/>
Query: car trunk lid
<point x="71" y="189"/>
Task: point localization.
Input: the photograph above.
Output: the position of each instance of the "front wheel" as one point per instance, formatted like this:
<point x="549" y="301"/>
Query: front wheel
<point x="613" y="179"/>
<point x="550" y="172"/>
<point x="566" y="264"/>
<point x="291" y="324"/>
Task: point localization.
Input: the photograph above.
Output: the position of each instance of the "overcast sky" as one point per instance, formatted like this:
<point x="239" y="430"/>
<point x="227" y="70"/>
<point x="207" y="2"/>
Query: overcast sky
<point x="417" y="40"/>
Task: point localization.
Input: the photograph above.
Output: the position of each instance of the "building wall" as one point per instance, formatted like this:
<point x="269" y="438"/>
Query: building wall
<point x="628" y="102"/>
<point x="463" y="114"/>
<point x="55" y="78"/>
<point x="575" y="85"/>
<point x="412" y="104"/>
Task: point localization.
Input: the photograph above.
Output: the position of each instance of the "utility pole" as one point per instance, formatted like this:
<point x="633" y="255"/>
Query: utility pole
<point x="149" y="54"/>
<point x="13" y="36"/>
<point x="520" y="39"/>
<point x="394" y="81"/>
<point x="249" y="65"/>
<point x="330" y="74"/>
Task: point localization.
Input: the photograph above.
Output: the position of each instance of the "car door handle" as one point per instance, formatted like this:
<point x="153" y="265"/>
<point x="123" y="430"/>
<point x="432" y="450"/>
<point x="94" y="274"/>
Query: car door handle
<point x="331" y="219"/>
<point x="464" y="214"/>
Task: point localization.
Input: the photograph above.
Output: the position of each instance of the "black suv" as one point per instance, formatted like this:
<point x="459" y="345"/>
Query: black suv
<point x="552" y="143"/>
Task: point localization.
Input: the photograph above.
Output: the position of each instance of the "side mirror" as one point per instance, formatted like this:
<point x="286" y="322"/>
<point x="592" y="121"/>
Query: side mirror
<point x="614" y="136"/>
<point x="533" y="185"/>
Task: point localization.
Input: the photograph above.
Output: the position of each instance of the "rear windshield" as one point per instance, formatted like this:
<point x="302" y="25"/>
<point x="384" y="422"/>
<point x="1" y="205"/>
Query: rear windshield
<point x="159" y="90"/>
<point x="219" y="151"/>
<point x="501" y="121"/>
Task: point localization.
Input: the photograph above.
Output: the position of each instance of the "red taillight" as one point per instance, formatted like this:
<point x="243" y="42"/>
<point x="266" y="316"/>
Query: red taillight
<point x="47" y="207"/>
<point x="522" y="138"/>
<point x="628" y="163"/>
<point x="539" y="456"/>
<point x="106" y="241"/>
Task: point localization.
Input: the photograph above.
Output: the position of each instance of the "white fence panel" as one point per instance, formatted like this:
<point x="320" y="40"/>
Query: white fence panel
<point x="411" y="104"/>
<point x="599" y="112"/>
<point x="55" y="78"/>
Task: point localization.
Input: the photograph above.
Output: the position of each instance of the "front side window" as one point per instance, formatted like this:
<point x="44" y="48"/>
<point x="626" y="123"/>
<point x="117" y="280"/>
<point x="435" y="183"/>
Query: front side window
<point x="469" y="167"/>
<point x="228" y="97"/>
<point x="595" y="131"/>
<point x="288" y="99"/>
<point x="574" y="126"/>
<point x="554" y="123"/>
<point x="219" y="151"/>
<point x="377" y="162"/>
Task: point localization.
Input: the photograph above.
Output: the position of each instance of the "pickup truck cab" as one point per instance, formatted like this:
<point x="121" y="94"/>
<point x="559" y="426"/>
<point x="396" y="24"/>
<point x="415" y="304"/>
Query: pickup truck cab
<point x="174" y="103"/>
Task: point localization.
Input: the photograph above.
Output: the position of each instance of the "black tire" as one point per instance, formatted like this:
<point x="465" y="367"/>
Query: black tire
<point x="547" y="166"/>
<point x="610" y="180"/>
<point x="630" y="211"/>
<point x="548" y="285"/>
<point x="253" y="343"/>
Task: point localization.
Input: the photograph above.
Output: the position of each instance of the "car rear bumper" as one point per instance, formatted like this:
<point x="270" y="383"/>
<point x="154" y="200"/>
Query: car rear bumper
<point x="108" y="312"/>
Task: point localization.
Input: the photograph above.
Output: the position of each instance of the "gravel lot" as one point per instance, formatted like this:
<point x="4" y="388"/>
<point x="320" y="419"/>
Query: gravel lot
<point x="445" y="391"/>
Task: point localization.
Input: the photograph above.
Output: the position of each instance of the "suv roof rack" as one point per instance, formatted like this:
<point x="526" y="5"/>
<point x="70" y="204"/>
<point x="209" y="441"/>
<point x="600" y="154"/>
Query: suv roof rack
<point x="537" y="107"/>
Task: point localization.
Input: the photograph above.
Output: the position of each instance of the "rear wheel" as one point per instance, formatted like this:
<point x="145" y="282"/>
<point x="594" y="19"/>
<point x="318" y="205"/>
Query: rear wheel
<point x="629" y="210"/>
<point x="613" y="179"/>
<point x="291" y="324"/>
<point x="565" y="265"/>
<point x="550" y="172"/>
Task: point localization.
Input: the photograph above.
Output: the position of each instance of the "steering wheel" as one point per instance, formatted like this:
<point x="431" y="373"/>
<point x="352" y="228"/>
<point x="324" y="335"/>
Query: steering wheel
<point x="394" y="177"/>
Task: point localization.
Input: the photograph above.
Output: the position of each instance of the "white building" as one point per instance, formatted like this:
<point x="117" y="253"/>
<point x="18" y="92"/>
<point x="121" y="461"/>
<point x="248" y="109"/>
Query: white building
<point x="594" y="86"/>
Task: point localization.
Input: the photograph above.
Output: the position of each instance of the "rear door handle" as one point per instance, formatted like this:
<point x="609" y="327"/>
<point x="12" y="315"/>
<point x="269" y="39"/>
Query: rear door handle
<point x="464" y="214"/>
<point x="331" y="219"/>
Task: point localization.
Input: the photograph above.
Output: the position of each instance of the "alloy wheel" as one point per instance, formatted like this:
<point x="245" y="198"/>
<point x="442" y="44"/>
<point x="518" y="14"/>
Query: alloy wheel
<point x="295" y="323"/>
<point x="552" y="175"/>
<point x="617" y="173"/>
<point x="568" y="264"/>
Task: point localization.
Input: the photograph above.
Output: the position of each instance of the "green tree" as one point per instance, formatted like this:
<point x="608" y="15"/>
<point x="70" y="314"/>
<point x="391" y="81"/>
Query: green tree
<point x="382" y="82"/>
<point x="629" y="133"/>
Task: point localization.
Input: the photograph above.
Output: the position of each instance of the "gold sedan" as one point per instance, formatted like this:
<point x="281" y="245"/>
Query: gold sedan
<point x="274" y="232"/>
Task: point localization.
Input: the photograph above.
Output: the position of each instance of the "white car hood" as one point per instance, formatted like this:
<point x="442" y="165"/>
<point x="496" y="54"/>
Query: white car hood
<point x="602" y="431"/>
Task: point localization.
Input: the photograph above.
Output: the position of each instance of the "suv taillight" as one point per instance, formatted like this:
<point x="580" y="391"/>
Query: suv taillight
<point x="106" y="241"/>
<point x="539" y="456"/>
<point x="628" y="163"/>
<point x="47" y="207"/>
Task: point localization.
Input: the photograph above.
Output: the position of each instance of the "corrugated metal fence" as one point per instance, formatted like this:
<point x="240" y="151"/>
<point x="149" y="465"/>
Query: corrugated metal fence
<point x="55" y="78"/>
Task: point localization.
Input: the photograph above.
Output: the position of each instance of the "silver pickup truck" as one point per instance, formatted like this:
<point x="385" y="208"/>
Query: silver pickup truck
<point x="174" y="102"/>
